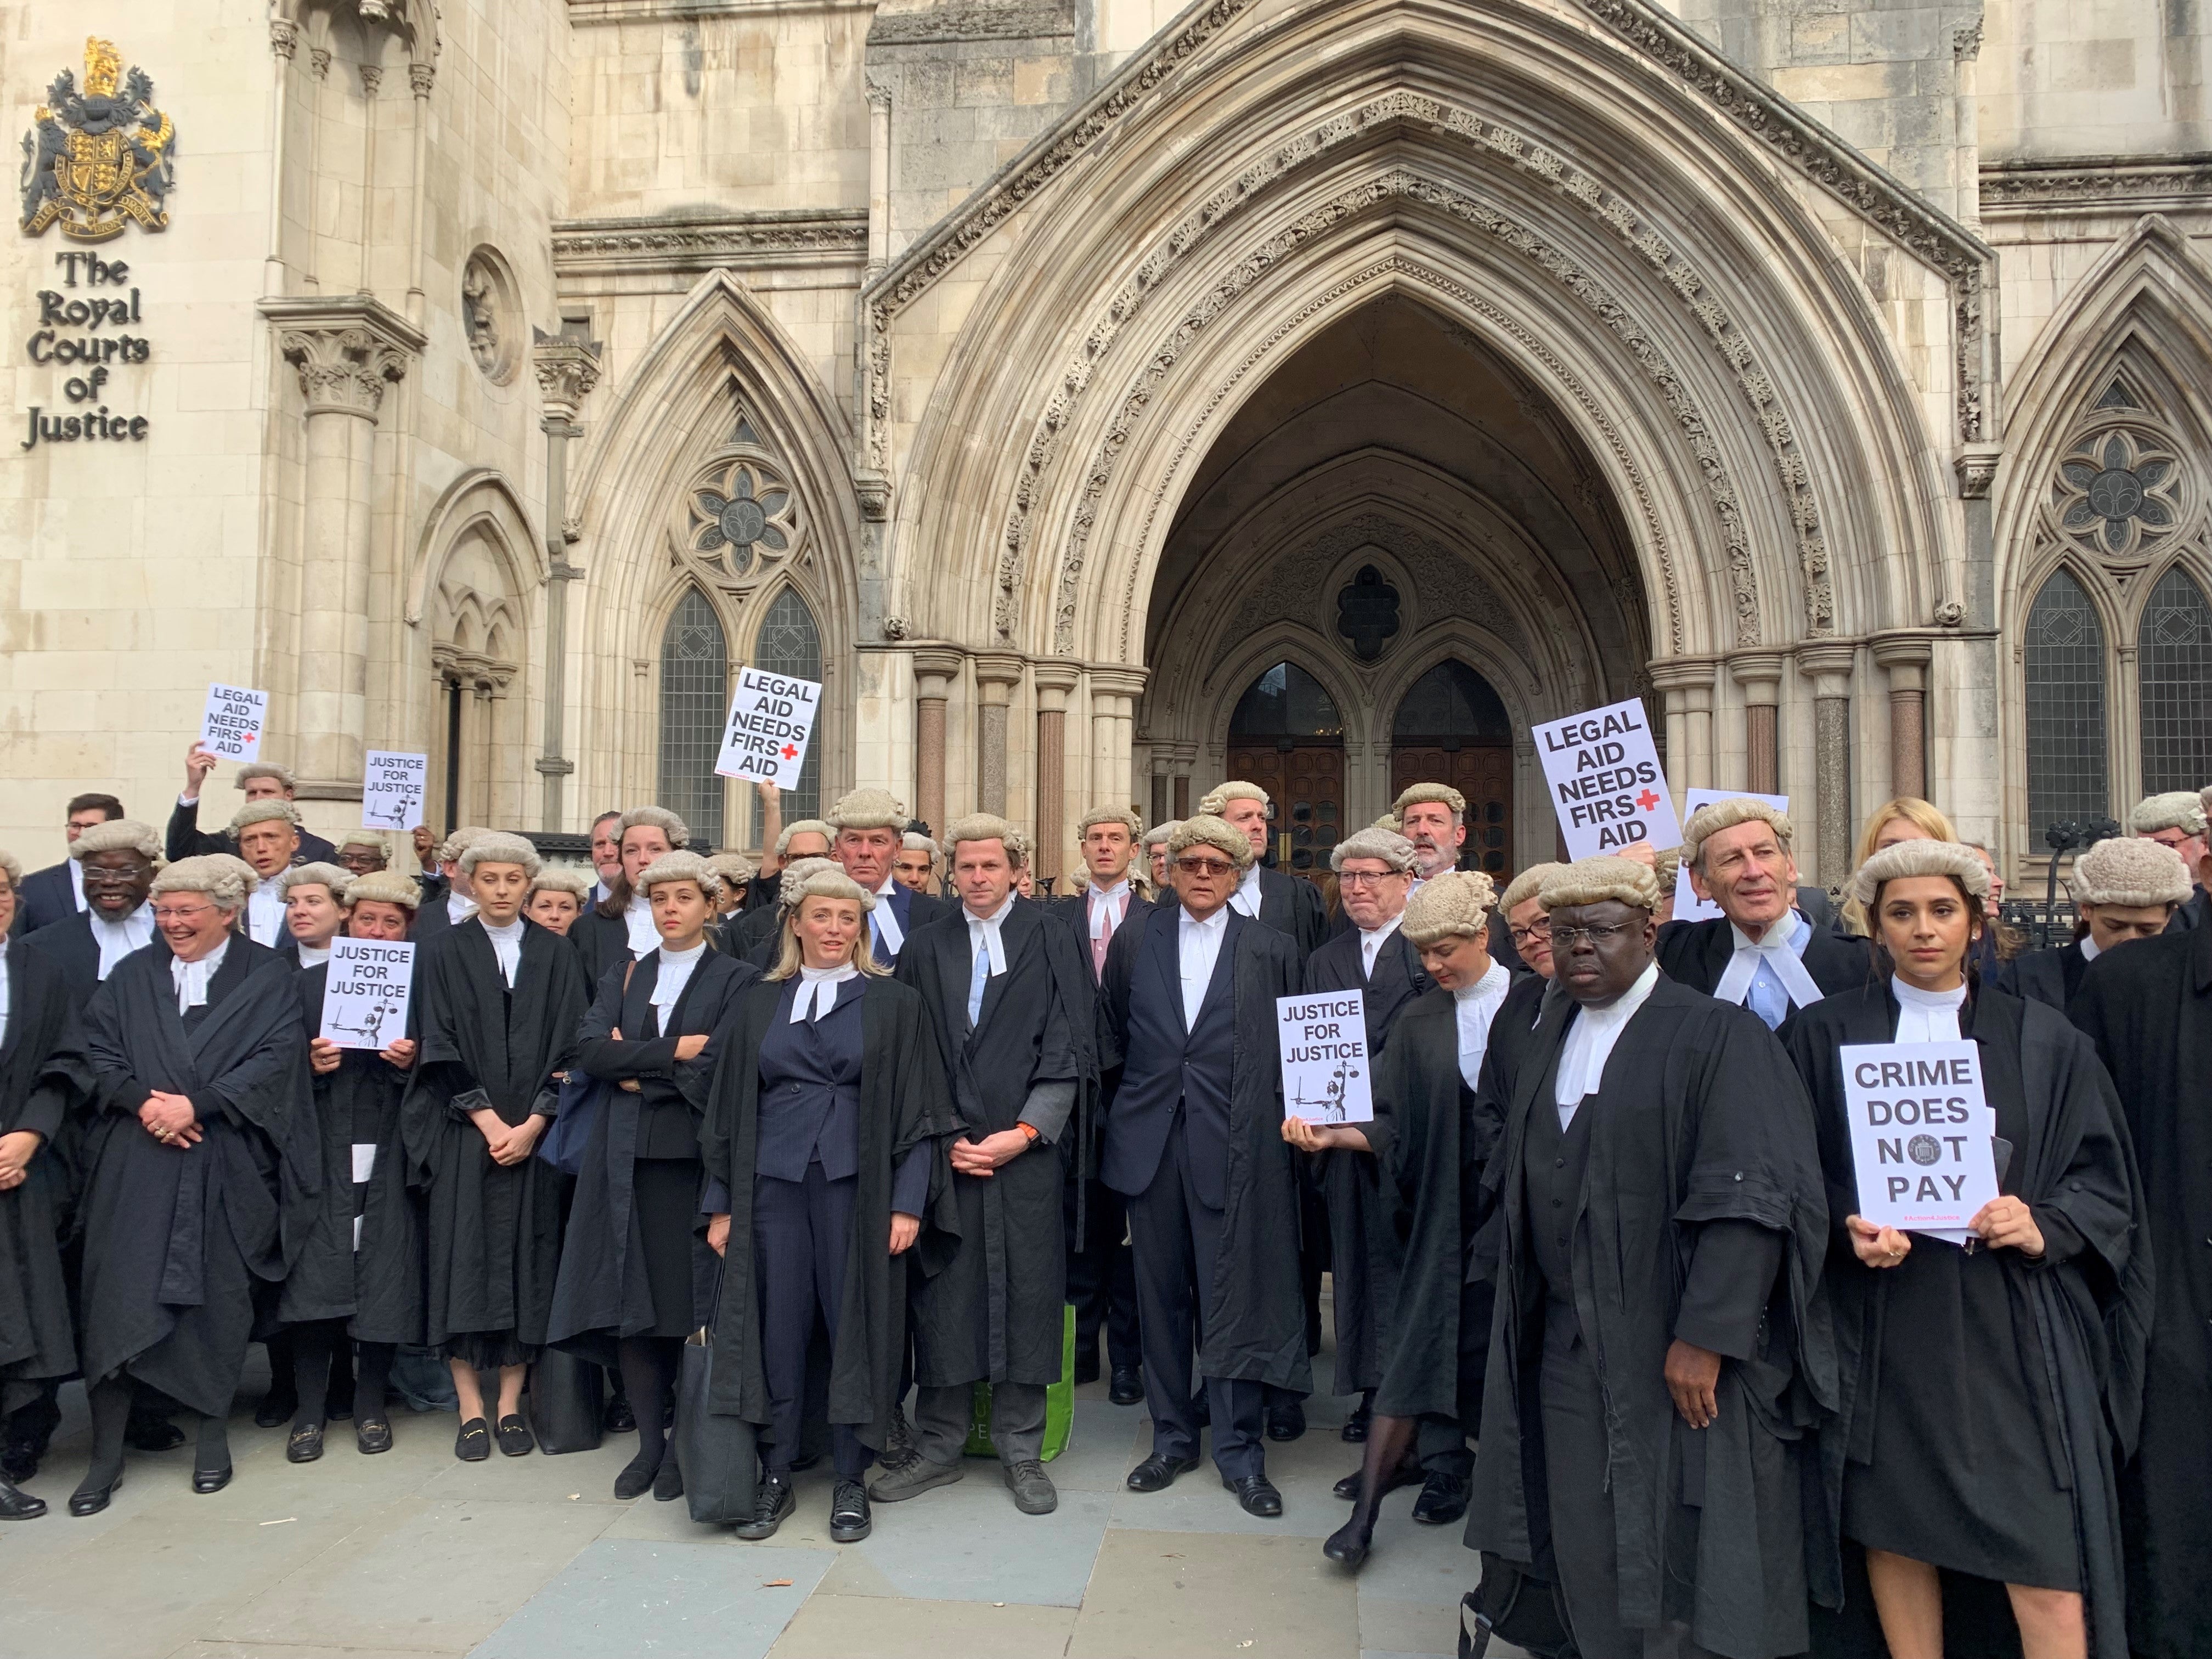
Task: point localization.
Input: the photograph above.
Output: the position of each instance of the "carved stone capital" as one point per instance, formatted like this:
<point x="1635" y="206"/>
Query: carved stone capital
<point x="879" y="91"/>
<point x="283" y="37"/>
<point x="1907" y="656"/>
<point x="1054" y="681"/>
<point x="346" y="350"/>
<point x="935" y="668"/>
<point x="318" y="61"/>
<point x="1966" y="41"/>
<point x="420" y="77"/>
<point x="997" y="672"/>
<point x="1685" y="673"/>
<point x="1759" y="674"/>
<point x="567" y="370"/>
<point x="875" y="494"/>
<point x="1113" y="680"/>
<point x="372" y="79"/>
<point x="1828" y="666"/>
<point x="1976" y="468"/>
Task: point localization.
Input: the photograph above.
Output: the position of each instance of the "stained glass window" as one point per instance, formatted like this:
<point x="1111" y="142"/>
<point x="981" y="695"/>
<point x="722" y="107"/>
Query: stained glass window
<point x="790" y="643"/>
<point x="2174" y="663"/>
<point x="695" y="692"/>
<point x="2066" y="729"/>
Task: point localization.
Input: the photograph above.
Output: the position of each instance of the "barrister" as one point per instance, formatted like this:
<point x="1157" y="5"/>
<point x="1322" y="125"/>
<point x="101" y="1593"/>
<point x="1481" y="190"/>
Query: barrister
<point x="1015" y="1016"/>
<point x="258" y="781"/>
<point x="449" y="902"/>
<point x="752" y="932"/>
<point x="1290" y="904"/>
<point x="267" y="832"/>
<point x="1192" y="1140"/>
<point x="871" y="826"/>
<point x="118" y="860"/>
<point x="2125" y="889"/>
<point x="619" y="927"/>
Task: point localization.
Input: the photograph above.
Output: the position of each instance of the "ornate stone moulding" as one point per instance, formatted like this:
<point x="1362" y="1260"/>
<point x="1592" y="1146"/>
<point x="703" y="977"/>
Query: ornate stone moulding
<point x="685" y="244"/>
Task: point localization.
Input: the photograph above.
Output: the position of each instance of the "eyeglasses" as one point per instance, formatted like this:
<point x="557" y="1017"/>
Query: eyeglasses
<point x="1535" y="930"/>
<point x="1205" y="866"/>
<point x="1366" y="878"/>
<point x="1598" y="934"/>
<point x="182" y="915"/>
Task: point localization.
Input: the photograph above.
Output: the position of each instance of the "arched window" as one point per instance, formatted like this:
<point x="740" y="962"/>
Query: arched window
<point x="2174" y="664"/>
<point x="790" y="643"/>
<point x="2067" y="737"/>
<point x="1451" y="727"/>
<point x="694" y="696"/>
<point x="1451" y="701"/>
<point x="1287" y="736"/>
<point x="1286" y="701"/>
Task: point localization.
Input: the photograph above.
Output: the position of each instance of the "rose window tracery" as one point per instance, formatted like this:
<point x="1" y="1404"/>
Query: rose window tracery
<point x="2115" y="492"/>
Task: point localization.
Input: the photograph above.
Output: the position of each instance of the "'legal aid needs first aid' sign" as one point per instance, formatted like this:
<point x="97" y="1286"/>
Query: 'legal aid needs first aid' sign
<point x="771" y="718"/>
<point x="1602" y="770"/>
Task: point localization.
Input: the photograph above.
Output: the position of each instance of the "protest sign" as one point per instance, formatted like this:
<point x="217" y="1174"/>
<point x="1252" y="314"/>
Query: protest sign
<point x="1922" y="1133"/>
<point x="1322" y="1039"/>
<point x="365" y="994"/>
<point x="230" y="729"/>
<point x="1606" y="788"/>
<point x="1688" y="907"/>
<point x="771" y="717"/>
<point x="393" y="789"/>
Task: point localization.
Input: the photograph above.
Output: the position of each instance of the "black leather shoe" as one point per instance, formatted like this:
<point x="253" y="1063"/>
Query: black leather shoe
<point x="208" y="1482"/>
<point x="635" y="1479"/>
<point x="90" y="1500"/>
<point x="275" y="1411"/>
<point x="19" y="1505"/>
<point x="1348" y="1545"/>
<point x="513" y="1436"/>
<point x="773" y="1503"/>
<point x="372" y="1435"/>
<point x="1128" y="1386"/>
<point x="620" y="1419"/>
<point x="19" y="1461"/>
<point x="1158" y="1474"/>
<point x="1287" y="1422"/>
<point x="1354" y="1431"/>
<point x="1086" y="1367"/>
<point x="1443" y="1500"/>
<point x="150" y="1433"/>
<point x="1406" y="1474"/>
<point x="473" y="1443"/>
<point x="1257" y="1494"/>
<point x="849" y="1520"/>
<point x="668" y="1484"/>
<point x="306" y="1444"/>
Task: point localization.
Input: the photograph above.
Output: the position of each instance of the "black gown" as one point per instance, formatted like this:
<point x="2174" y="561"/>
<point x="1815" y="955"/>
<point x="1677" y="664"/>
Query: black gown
<point x="1977" y="1391"/>
<point x="44" y="1076"/>
<point x="361" y="1260"/>
<point x="176" y="1240"/>
<point x="492" y="1243"/>
<point x="993" y="1312"/>
<point x="630" y="1262"/>
<point x="902" y="1103"/>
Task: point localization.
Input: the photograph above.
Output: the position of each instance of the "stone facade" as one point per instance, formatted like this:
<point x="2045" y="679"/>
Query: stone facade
<point x="1076" y="358"/>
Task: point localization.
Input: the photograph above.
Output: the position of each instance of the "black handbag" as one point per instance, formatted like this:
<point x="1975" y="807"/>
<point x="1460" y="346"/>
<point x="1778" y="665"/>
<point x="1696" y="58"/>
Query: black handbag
<point x="1515" y="1606"/>
<point x="718" y="1456"/>
<point x="566" y="1403"/>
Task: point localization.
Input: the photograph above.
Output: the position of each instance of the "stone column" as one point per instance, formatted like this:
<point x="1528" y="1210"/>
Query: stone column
<point x="1829" y="668"/>
<point x="1159" y="811"/>
<point x="935" y="668"/>
<point x="1688" y="685"/>
<point x="346" y="351"/>
<point x="1114" y="693"/>
<point x="1906" y="658"/>
<point x="566" y="371"/>
<point x="1760" y="677"/>
<point x="1054" y="681"/>
<point x="997" y="674"/>
<point x="420" y="77"/>
<point x="880" y="174"/>
<point x="1183" y="761"/>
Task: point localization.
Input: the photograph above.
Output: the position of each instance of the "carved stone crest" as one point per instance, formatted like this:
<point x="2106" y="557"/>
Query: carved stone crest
<point x="95" y="159"/>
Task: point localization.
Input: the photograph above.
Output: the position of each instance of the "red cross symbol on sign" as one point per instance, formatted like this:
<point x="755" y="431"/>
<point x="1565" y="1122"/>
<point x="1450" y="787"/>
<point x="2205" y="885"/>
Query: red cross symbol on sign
<point x="1647" y="800"/>
<point x="249" y="737"/>
<point x="789" y="749"/>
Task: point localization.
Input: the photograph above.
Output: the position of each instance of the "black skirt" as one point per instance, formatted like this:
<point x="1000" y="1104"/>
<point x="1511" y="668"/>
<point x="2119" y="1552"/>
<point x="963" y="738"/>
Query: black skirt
<point x="665" y="1199"/>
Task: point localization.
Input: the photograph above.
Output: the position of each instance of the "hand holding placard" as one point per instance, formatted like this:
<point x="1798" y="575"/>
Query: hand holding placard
<point x="771" y="718"/>
<point x="230" y="727"/>
<point x="1606" y="786"/>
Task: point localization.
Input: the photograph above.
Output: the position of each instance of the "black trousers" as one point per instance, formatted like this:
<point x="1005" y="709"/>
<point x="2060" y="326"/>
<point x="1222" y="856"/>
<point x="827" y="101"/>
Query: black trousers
<point x="801" y="1232"/>
<point x="1176" y="1240"/>
<point x="1102" y="1275"/>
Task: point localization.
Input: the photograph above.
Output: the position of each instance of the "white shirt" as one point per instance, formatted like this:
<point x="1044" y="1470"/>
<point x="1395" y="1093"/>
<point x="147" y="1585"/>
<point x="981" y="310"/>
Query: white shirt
<point x="190" y="978"/>
<point x="1106" y="901"/>
<point x="1198" y="946"/>
<point x="4" y="996"/>
<point x="1476" y="1005"/>
<point x="1589" y="1044"/>
<point x="675" y="970"/>
<point x="458" y="909"/>
<point x="314" y="956"/>
<point x="2090" y="949"/>
<point x="1246" y="895"/>
<point x="818" y="990"/>
<point x="644" y="937"/>
<point x="1371" y="943"/>
<point x="117" y="940"/>
<point x="264" y="914"/>
<point x="1926" y="1015"/>
<point x="983" y="935"/>
<point x="506" y="946"/>
<point x="76" y="881"/>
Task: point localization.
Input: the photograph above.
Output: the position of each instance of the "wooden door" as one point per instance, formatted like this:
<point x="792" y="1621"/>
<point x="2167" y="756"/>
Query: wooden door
<point x="1306" y="782"/>
<point x="1482" y="772"/>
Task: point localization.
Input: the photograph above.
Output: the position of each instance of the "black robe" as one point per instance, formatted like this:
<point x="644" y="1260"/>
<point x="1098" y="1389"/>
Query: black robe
<point x="1697" y="954"/>
<point x="493" y="1243"/>
<point x="68" y="945"/>
<point x="1293" y="907"/>
<point x="1251" y="1319"/>
<point x="993" y="1313"/>
<point x="44" y="1076"/>
<point x="603" y="1292"/>
<point x="1707" y="1124"/>
<point x="2079" y="1316"/>
<point x="175" y="1239"/>
<point x="378" y="1285"/>
<point x="902" y="1103"/>
<point x="602" y="942"/>
<point x="1363" y="1249"/>
<point x="183" y="838"/>
<point x="2149" y="1009"/>
<point x="2050" y="977"/>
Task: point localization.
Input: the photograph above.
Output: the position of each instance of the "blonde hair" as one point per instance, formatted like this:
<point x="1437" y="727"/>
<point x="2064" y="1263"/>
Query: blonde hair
<point x="788" y="955"/>
<point x="1922" y="815"/>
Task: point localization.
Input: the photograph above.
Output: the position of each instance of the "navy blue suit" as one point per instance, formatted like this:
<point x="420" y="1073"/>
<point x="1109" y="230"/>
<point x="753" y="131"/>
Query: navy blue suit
<point x="46" y="897"/>
<point x="911" y="909"/>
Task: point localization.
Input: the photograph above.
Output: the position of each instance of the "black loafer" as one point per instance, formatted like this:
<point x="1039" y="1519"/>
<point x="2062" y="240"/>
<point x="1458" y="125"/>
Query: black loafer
<point x="1354" y="1431"/>
<point x="849" y="1521"/>
<point x="1128" y="1386"/>
<point x="473" y="1443"/>
<point x="1406" y="1474"/>
<point x="1287" y="1422"/>
<point x="620" y="1419"/>
<point x="773" y="1503"/>
<point x="372" y="1435"/>
<point x="513" y="1436"/>
<point x="90" y="1500"/>
<point x="1443" y="1500"/>
<point x="1348" y="1545"/>
<point x="19" y="1505"/>
<point x="668" y="1482"/>
<point x="274" y="1412"/>
<point x="1158" y="1474"/>
<point x="1257" y="1494"/>
<point x="306" y="1444"/>
<point x="18" y="1463"/>
<point x="634" y="1480"/>
<point x="206" y="1482"/>
<point x="158" y="1434"/>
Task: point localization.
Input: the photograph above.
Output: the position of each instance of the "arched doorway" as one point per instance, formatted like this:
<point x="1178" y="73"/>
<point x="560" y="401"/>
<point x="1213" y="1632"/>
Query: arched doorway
<point x="1451" y="727"/>
<point x="1287" y="737"/>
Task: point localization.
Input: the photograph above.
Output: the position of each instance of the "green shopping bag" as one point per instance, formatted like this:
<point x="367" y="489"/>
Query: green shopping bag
<point x="1058" y="1404"/>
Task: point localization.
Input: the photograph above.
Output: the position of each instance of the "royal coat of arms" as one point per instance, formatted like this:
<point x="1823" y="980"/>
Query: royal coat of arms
<point x="97" y="158"/>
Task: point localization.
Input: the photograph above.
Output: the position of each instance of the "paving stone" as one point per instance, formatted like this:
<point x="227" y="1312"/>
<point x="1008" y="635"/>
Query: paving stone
<point x="838" y="1626"/>
<point x="638" y="1596"/>
<point x="1168" y="1595"/>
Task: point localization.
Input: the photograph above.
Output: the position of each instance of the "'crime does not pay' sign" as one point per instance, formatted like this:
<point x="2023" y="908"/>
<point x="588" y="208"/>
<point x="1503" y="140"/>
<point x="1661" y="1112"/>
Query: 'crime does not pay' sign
<point x="771" y="718"/>
<point x="1602" y="769"/>
<point x="1922" y="1135"/>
